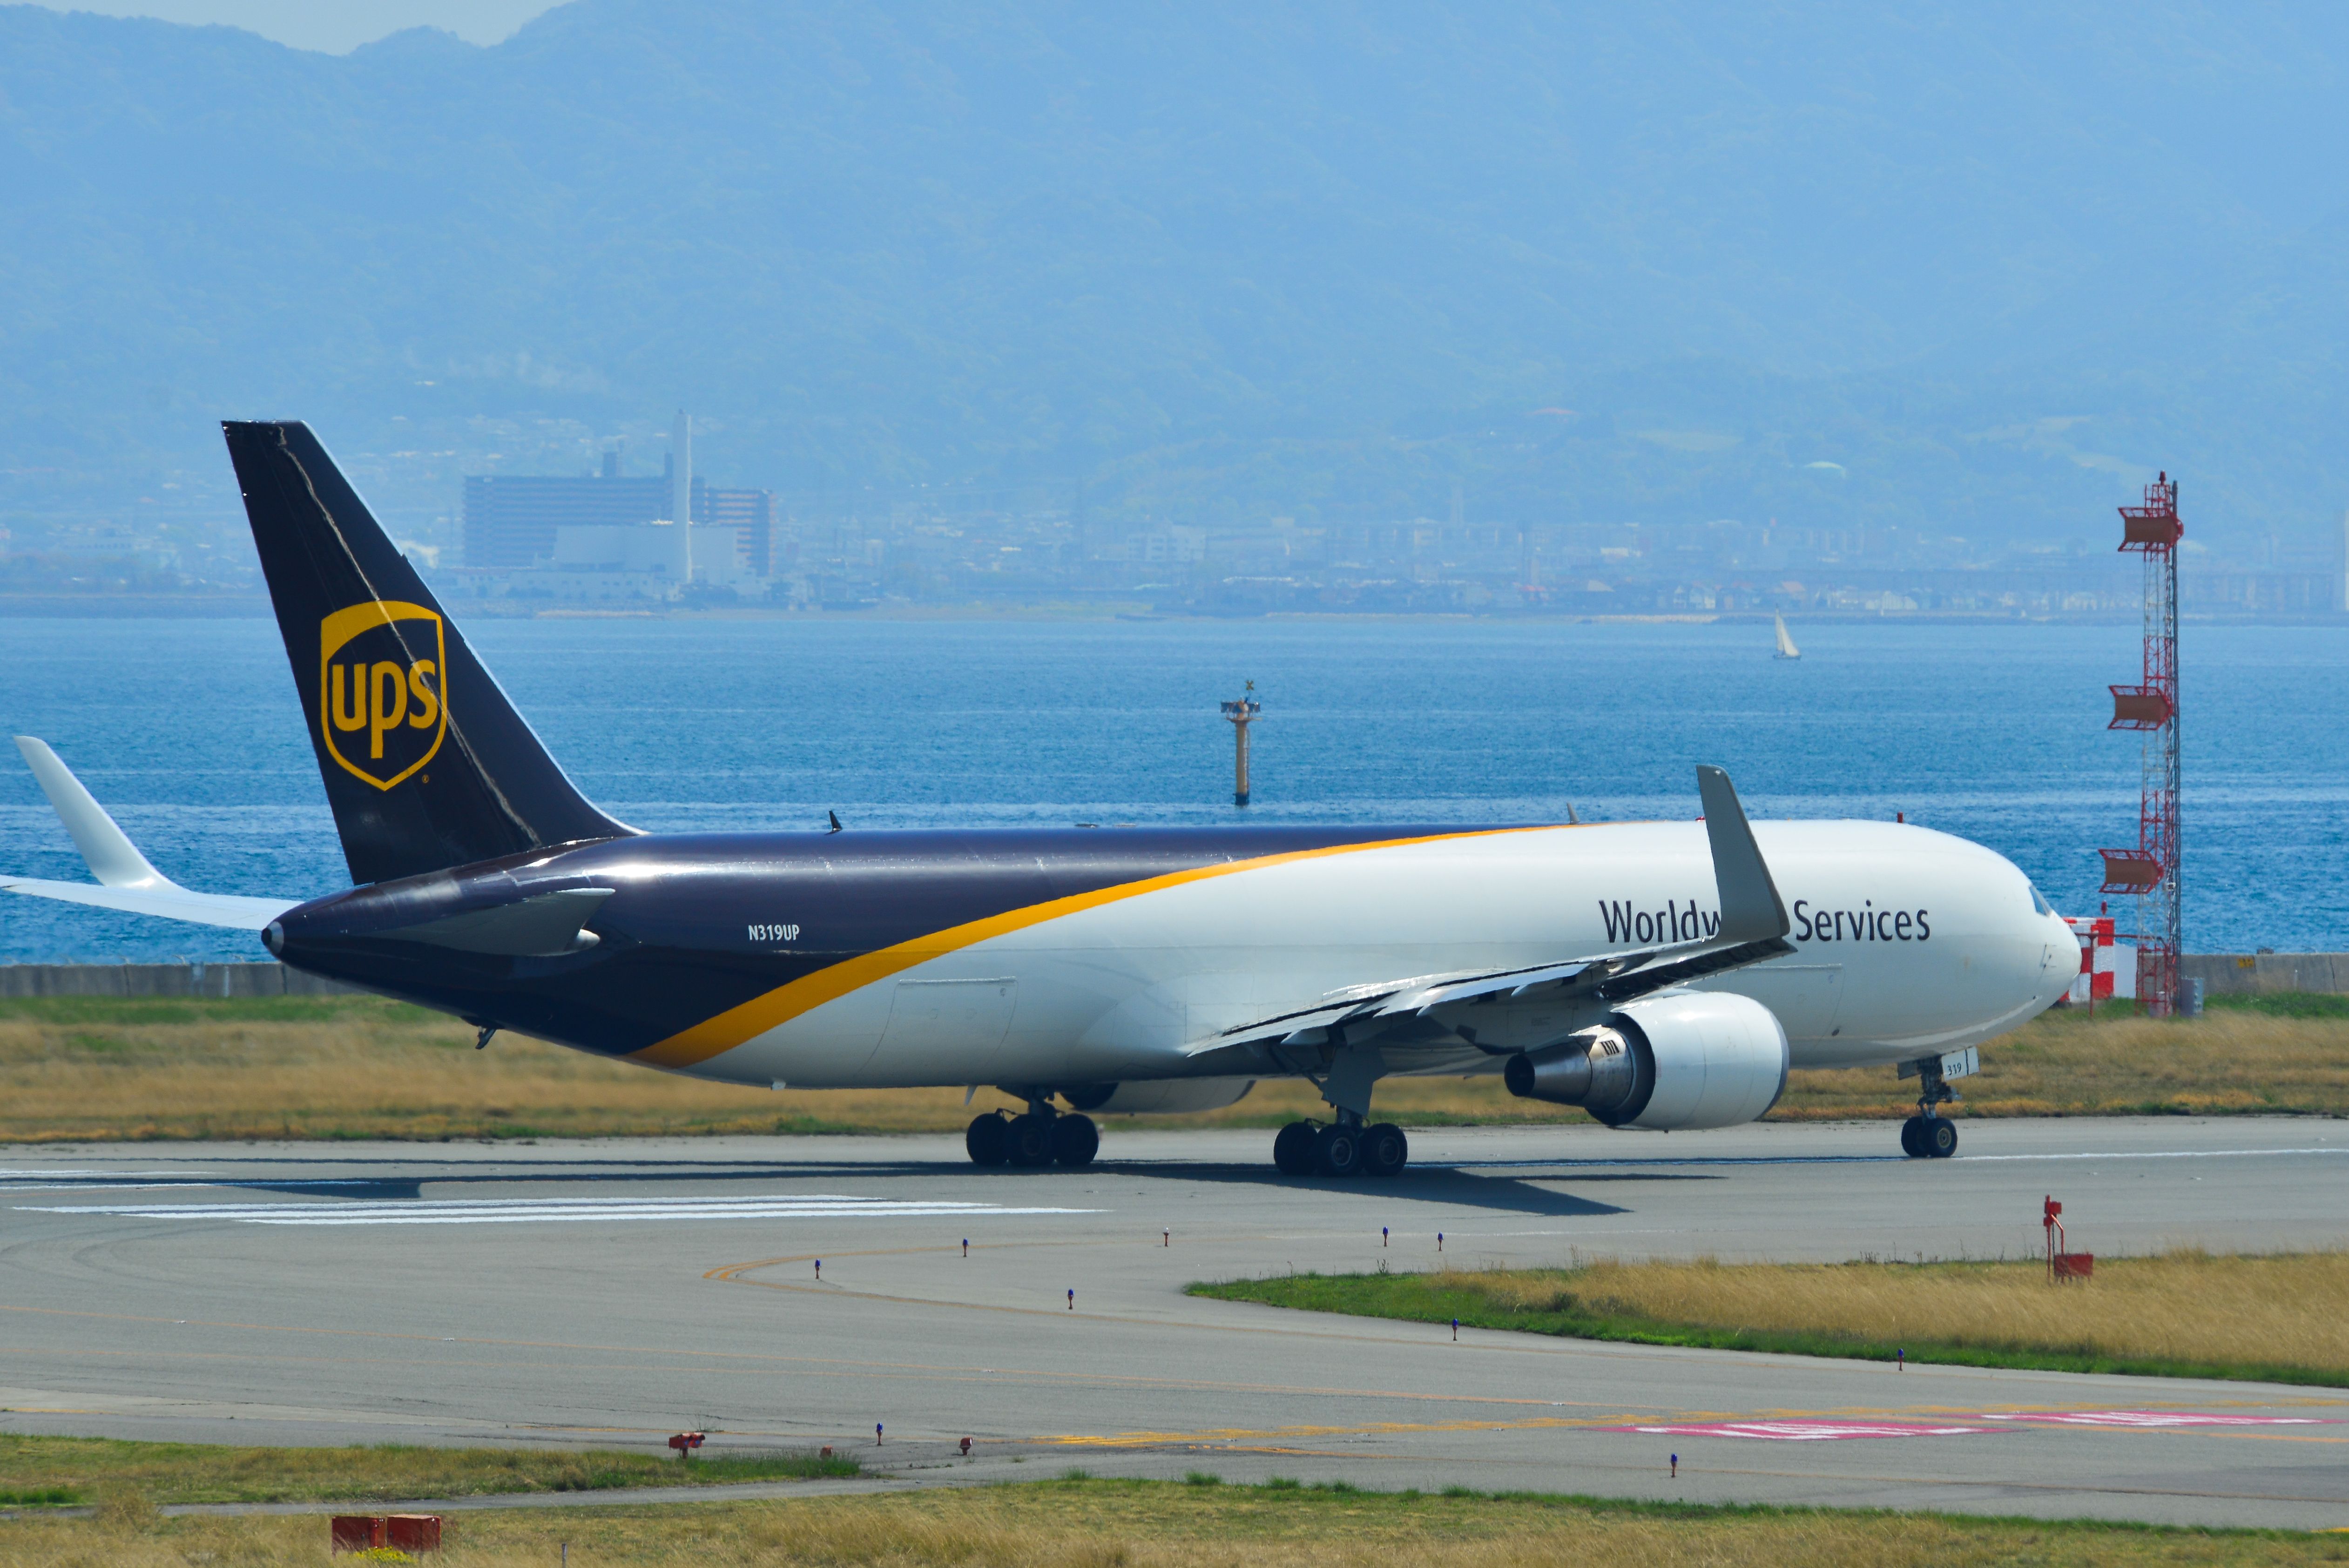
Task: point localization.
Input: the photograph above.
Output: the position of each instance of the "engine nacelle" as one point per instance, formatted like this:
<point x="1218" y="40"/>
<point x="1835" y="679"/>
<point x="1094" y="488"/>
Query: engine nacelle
<point x="1166" y="1096"/>
<point x="1680" y="1061"/>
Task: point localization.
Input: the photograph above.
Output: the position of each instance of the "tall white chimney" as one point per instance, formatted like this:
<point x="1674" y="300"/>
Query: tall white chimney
<point x="681" y="446"/>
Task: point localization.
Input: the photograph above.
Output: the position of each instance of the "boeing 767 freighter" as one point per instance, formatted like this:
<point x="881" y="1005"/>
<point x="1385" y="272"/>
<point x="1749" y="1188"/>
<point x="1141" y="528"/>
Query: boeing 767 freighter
<point x="1661" y="975"/>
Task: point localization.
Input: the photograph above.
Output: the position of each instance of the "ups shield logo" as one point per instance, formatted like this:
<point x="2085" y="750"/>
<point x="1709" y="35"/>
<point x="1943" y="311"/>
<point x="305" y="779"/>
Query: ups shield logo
<point x="381" y="705"/>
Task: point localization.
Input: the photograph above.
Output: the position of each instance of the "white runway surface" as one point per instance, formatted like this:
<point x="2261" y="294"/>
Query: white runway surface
<point x="609" y="1293"/>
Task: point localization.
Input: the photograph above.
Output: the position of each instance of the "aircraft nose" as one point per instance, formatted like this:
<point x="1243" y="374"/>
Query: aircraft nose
<point x="2060" y="960"/>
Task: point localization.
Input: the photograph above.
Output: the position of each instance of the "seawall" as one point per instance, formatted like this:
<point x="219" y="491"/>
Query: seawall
<point x="2240" y="973"/>
<point x="162" y="980"/>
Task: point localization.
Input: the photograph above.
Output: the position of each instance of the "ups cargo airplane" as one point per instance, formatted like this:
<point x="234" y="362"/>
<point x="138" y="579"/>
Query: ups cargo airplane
<point x="1662" y="975"/>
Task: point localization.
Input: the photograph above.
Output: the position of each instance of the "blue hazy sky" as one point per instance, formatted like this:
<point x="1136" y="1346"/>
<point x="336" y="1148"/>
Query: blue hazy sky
<point x="334" y="26"/>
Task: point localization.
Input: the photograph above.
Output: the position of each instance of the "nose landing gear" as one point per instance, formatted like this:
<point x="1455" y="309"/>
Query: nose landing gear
<point x="1929" y="1134"/>
<point x="1928" y="1137"/>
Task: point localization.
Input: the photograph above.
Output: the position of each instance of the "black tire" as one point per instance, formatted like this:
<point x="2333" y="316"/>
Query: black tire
<point x="1292" y="1149"/>
<point x="1940" y="1140"/>
<point x="1385" y="1151"/>
<point x="1337" y="1151"/>
<point x="1028" y="1141"/>
<point x="1075" y="1141"/>
<point x="986" y="1140"/>
<point x="1911" y="1139"/>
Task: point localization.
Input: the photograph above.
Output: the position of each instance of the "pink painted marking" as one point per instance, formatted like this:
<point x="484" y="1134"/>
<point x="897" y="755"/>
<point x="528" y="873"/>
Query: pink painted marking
<point x="2158" y="1418"/>
<point x="1810" y="1431"/>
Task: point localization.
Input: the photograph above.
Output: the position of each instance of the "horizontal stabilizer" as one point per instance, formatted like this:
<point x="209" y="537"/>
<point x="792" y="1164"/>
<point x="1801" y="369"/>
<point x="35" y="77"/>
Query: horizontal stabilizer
<point x="126" y="880"/>
<point x="166" y="900"/>
<point x="544" y="927"/>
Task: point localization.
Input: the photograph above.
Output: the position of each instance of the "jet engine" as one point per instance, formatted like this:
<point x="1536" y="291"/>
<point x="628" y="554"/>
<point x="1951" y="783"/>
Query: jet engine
<point x="1668" y="1062"/>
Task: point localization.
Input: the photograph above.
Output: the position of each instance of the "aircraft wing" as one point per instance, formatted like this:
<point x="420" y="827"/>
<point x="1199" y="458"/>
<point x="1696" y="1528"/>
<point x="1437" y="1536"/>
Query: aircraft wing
<point x="1754" y="927"/>
<point x="125" y="879"/>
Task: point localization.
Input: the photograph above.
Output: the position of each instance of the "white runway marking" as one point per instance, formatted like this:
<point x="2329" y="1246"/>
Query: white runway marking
<point x="526" y="1210"/>
<point x="171" y="1186"/>
<point x="2158" y="1418"/>
<point x="1726" y="1160"/>
<point x="1810" y="1431"/>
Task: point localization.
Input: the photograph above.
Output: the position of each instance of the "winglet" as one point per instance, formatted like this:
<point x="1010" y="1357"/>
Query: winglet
<point x="126" y="881"/>
<point x="1751" y="910"/>
<point x="113" y="859"/>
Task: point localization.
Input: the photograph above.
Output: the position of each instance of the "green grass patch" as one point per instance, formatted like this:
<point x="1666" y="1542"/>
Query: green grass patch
<point x="42" y="1470"/>
<point x="2282" y="1004"/>
<point x="2091" y="1332"/>
<point x="1167" y="1524"/>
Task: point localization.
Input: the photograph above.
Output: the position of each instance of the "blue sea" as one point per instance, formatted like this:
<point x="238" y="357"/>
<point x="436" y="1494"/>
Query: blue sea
<point x="189" y="733"/>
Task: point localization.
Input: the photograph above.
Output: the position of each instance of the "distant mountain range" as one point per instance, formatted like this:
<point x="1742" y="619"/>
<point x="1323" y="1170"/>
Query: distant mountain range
<point x="1974" y="269"/>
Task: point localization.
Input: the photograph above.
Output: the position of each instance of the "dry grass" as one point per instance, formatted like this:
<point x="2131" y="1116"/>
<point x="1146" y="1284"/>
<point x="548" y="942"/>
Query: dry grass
<point x="1100" y="1524"/>
<point x="2187" y="1314"/>
<point x="2286" y="1055"/>
<point x="76" y="1069"/>
<point x="2182" y="1306"/>
<point x="338" y="1068"/>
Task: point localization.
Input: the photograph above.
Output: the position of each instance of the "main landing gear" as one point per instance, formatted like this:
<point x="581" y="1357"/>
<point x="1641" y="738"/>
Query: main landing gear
<point x="1340" y="1149"/>
<point x="1929" y="1134"/>
<point x="1350" y="1144"/>
<point x="1042" y="1136"/>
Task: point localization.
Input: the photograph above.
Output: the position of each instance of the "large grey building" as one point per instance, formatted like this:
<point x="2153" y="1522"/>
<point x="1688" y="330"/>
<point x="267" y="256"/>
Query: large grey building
<point x="509" y="520"/>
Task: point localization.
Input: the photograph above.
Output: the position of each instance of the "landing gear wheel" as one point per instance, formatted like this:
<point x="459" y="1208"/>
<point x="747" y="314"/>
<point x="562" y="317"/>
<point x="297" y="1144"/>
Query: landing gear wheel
<point x="1913" y="1143"/>
<point x="1939" y="1137"/>
<point x="1292" y="1149"/>
<point x="1337" y="1151"/>
<point x="987" y="1141"/>
<point x="1028" y="1141"/>
<point x="1385" y="1151"/>
<point x="1075" y="1140"/>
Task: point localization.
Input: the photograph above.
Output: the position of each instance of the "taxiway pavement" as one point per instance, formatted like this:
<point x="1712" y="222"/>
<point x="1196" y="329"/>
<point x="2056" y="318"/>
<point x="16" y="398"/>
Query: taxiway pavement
<point x="607" y="1293"/>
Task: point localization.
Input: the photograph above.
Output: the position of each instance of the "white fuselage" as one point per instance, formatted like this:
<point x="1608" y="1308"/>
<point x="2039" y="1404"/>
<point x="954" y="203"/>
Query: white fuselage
<point x="1908" y="942"/>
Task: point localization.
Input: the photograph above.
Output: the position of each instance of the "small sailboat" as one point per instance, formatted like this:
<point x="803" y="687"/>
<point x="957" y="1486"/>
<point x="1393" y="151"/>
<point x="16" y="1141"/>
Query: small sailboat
<point x="1787" y="648"/>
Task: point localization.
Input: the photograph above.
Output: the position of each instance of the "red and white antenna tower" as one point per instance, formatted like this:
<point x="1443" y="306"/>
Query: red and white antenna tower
<point x="2149" y="871"/>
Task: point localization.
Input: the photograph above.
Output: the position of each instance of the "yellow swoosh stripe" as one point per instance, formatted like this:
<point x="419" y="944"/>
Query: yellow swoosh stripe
<point x="714" y="1036"/>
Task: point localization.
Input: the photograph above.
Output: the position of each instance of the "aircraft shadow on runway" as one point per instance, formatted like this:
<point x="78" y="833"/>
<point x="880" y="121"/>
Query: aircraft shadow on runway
<point x="1420" y="1184"/>
<point x="361" y="1190"/>
<point x="1528" y="1189"/>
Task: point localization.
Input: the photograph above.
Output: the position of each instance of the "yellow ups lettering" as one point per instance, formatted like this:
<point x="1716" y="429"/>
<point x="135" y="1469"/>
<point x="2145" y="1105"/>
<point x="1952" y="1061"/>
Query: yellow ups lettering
<point x="425" y="712"/>
<point x="355" y="716"/>
<point x="390" y="688"/>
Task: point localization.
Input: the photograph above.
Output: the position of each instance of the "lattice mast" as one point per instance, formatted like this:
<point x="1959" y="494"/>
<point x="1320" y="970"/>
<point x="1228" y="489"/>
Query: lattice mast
<point x="2149" y="871"/>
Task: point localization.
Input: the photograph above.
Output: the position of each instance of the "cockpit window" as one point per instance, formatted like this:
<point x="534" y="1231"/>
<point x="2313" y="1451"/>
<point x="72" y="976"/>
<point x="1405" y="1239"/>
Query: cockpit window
<point x="2037" y="902"/>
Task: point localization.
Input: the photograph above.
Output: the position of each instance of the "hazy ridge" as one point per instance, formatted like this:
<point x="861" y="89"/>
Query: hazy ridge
<point x="1297" y="257"/>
